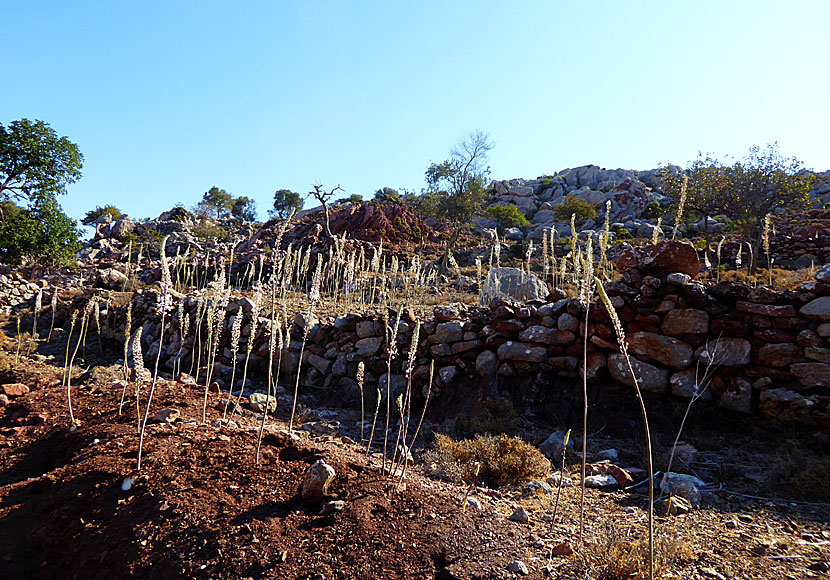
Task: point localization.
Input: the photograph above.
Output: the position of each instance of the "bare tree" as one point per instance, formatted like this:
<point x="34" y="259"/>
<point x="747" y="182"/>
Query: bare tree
<point x="324" y="197"/>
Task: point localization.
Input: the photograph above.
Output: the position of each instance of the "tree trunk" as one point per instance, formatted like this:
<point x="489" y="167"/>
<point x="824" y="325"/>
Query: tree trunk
<point x="327" y="223"/>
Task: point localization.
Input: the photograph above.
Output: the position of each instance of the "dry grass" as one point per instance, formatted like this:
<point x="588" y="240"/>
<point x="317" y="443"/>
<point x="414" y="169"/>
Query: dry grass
<point x="504" y="460"/>
<point x="783" y="279"/>
<point x="497" y="416"/>
<point x="622" y="555"/>
<point x="801" y="474"/>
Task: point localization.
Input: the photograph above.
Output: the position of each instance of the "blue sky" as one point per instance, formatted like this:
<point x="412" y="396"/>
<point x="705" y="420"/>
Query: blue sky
<point x="166" y="99"/>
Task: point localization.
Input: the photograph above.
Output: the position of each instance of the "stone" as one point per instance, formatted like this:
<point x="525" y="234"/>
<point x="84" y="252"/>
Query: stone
<point x="445" y="313"/>
<point x="675" y="505"/>
<point x="4" y="400"/>
<point x="596" y="362"/>
<point x="686" y="384"/>
<point x="367" y="346"/>
<point x="537" y="487"/>
<point x="556" y="480"/>
<point x="474" y="503"/>
<point x="780" y="354"/>
<point x="727" y="352"/>
<point x="487" y="363"/>
<point x="518" y="567"/>
<point x="823" y="274"/>
<point x="185" y="379"/>
<point x="682" y="485"/>
<point x="512" y="283"/>
<point x="13" y="390"/>
<point x="601" y="481"/>
<point x="812" y="374"/>
<point x="513" y="234"/>
<point x="259" y="401"/>
<point x="520" y="515"/>
<point x="738" y="397"/>
<point x="446" y="332"/>
<point x="650" y="378"/>
<point x="661" y="259"/>
<point x="765" y="309"/>
<point x="663" y="349"/>
<point x="567" y="322"/>
<point x="609" y="454"/>
<point x="168" y="416"/>
<point x="784" y="405"/>
<point x="685" y="321"/>
<point x="562" y="549"/>
<point x="448" y="374"/>
<point x="365" y="328"/>
<point x="316" y="481"/>
<point x="823" y="330"/>
<point x="678" y="278"/>
<point x="818" y="309"/>
<point x="546" y="335"/>
<point x="323" y="365"/>
<point x="818" y="354"/>
<point x="519" y="351"/>
<point x="622" y="477"/>
<point x="111" y="279"/>
<point x="553" y="445"/>
<point x="332" y="507"/>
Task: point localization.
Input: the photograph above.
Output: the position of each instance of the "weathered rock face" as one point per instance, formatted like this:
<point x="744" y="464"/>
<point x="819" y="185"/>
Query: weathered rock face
<point x="661" y="259"/>
<point x="727" y="352"/>
<point x="812" y="374"/>
<point x="111" y="279"/>
<point x="818" y="309"/>
<point x="519" y="351"/>
<point x="512" y="283"/>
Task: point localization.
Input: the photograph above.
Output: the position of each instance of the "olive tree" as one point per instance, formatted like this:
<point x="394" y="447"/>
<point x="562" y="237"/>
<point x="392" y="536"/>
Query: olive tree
<point x="457" y="187"/>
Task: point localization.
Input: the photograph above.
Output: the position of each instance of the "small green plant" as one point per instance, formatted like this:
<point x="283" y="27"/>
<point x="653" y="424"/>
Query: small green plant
<point x="652" y="211"/>
<point x="576" y="207"/>
<point x="624" y="234"/>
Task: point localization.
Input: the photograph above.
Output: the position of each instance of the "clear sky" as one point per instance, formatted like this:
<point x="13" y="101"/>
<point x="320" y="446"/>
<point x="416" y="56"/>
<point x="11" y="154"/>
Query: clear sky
<point x="166" y="99"/>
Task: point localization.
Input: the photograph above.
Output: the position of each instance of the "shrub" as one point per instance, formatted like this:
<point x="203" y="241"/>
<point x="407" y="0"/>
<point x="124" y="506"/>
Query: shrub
<point x="652" y="211"/>
<point x="504" y="460"/>
<point x="574" y="205"/>
<point x="206" y="230"/>
<point x="624" y="234"/>
<point x="507" y="216"/>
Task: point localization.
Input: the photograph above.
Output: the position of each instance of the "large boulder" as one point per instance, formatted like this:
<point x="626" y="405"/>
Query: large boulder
<point x="727" y="352"/>
<point x="111" y="279"/>
<point x="122" y="226"/>
<point x="818" y="309"/>
<point x="512" y="283"/>
<point x="660" y="259"/>
<point x="685" y="321"/>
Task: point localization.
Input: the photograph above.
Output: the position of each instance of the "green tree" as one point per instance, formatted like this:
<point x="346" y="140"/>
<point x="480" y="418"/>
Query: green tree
<point x="244" y="208"/>
<point x="42" y="233"/>
<point x="92" y="215"/>
<point x="285" y="201"/>
<point x="217" y="201"/>
<point x="35" y="162"/>
<point x="456" y="187"/>
<point x="507" y="216"/>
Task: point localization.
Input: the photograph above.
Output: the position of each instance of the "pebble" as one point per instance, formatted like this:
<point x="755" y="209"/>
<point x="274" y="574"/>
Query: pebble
<point x="316" y="481"/>
<point x="601" y="481"/>
<point x="518" y="567"/>
<point x="474" y="503"/>
<point x="168" y="415"/>
<point x="332" y="506"/>
<point x="520" y="515"/>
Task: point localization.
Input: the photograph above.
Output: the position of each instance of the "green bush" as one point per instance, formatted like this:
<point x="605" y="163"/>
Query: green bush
<point x="653" y="210"/>
<point x="574" y="206"/>
<point x="507" y="216"/>
<point x="624" y="234"/>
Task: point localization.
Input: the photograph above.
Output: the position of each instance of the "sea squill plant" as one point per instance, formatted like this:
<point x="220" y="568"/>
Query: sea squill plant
<point x="360" y="376"/>
<point x="391" y="351"/>
<point x="562" y="481"/>
<point x="657" y="230"/>
<point x="379" y="398"/>
<point x="585" y="297"/>
<point x="274" y="341"/>
<point x="765" y="244"/>
<point x="127" y="331"/>
<point x="164" y="304"/>
<point x="314" y="298"/>
<point x="96" y="315"/>
<point x="400" y="442"/>
<point x="38" y="306"/>
<point x="66" y="365"/>
<point x="256" y="301"/>
<point x="54" y="305"/>
<point x="141" y="373"/>
<point x="718" y="253"/>
<point x="624" y="351"/>
<point x="680" y="205"/>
